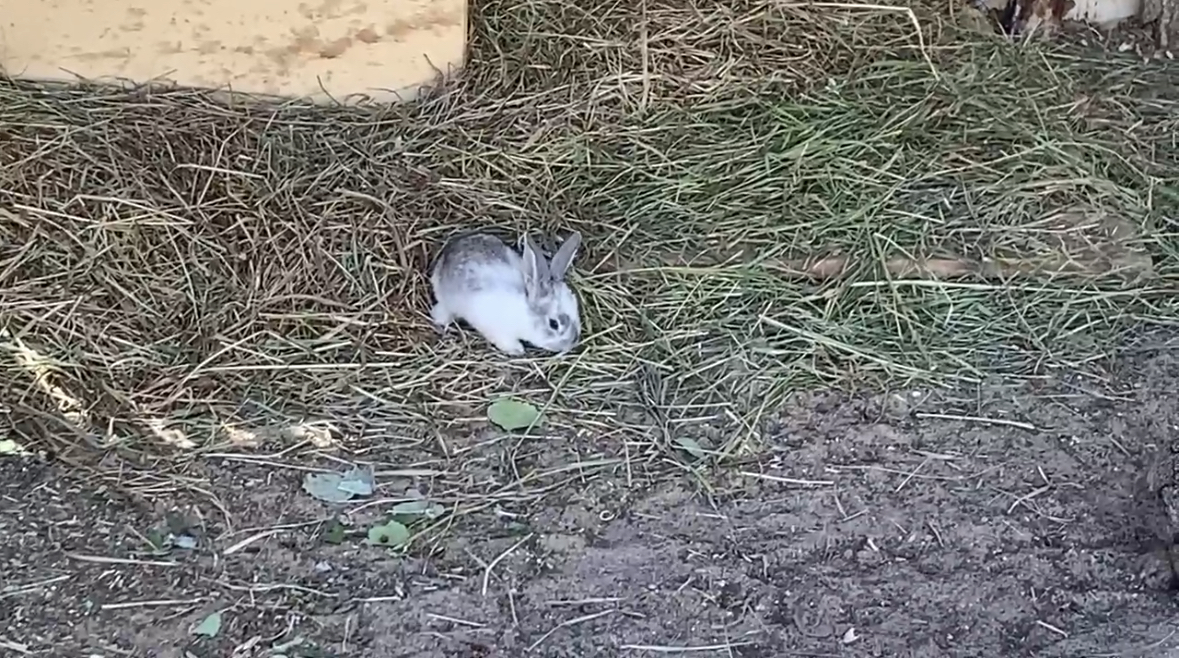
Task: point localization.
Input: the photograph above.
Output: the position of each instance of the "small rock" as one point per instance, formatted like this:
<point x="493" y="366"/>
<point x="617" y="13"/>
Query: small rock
<point x="184" y="541"/>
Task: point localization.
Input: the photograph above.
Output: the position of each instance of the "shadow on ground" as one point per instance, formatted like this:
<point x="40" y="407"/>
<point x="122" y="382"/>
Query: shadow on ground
<point x="870" y="527"/>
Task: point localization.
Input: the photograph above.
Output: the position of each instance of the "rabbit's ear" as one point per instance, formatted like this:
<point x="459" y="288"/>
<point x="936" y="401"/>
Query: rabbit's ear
<point x="564" y="256"/>
<point x="536" y="272"/>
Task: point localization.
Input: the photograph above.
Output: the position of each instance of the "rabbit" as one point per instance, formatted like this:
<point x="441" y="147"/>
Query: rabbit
<point x="509" y="298"/>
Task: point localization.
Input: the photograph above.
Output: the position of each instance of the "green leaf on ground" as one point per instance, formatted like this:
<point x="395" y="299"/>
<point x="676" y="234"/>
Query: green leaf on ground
<point x="419" y="508"/>
<point x="518" y="528"/>
<point x="511" y="415"/>
<point x="692" y="447"/>
<point x="413" y="511"/>
<point x="391" y="534"/>
<point x="333" y="532"/>
<point x="210" y="626"/>
<point x="158" y="538"/>
<point x="358" y="480"/>
<point x="1168" y="191"/>
<point x="326" y="487"/>
<point x="339" y="488"/>
<point x="10" y="447"/>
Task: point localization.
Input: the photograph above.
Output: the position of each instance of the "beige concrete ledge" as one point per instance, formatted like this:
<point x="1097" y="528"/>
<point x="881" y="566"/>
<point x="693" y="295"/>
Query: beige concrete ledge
<point x="318" y="49"/>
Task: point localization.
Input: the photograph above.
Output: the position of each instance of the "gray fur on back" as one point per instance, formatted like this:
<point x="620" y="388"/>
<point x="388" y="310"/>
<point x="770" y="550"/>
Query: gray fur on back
<point x="463" y="260"/>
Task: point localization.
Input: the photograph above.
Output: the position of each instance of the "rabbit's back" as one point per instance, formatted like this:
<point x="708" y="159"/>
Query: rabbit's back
<point x="477" y="263"/>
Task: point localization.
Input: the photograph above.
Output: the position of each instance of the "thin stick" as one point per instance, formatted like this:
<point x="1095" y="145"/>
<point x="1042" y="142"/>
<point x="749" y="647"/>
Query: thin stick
<point x="785" y="480"/>
<point x="978" y="419"/>
<point x="156" y="603"/>
<point x="498" y="559"/>
<point x="566" y="624"/>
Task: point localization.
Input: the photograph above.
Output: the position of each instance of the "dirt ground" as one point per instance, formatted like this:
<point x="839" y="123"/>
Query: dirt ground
<point x="871" y="526"/>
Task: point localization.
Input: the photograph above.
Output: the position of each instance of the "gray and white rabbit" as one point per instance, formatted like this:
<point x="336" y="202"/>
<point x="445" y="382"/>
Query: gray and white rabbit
<point x="507" y="297"/>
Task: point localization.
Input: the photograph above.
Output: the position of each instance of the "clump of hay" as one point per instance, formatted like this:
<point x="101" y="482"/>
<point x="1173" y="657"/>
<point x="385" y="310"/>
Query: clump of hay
<point x="179" y="264"/>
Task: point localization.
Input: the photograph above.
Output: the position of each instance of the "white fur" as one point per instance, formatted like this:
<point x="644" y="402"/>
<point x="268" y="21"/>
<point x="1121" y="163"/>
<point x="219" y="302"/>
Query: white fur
<point x="484" y="282"/>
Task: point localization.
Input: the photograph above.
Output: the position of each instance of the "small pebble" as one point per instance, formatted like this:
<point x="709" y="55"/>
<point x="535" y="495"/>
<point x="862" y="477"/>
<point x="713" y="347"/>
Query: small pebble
<point x="184" y="541"/>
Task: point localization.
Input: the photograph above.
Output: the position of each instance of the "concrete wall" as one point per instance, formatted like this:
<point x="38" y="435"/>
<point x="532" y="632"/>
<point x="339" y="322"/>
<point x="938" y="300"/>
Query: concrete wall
<point x="280" y="47"/>
<point x="1104" y="12"/>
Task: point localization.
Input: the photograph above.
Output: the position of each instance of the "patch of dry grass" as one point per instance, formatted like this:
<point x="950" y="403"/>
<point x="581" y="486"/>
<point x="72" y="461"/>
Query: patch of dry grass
<point x="180" y="265"/>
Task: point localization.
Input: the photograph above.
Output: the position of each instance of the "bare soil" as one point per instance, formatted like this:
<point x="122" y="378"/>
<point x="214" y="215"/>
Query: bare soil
<point x="884" y="525"/>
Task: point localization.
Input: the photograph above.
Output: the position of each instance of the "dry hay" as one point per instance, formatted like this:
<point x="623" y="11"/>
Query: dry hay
<point x="173" y="267"/>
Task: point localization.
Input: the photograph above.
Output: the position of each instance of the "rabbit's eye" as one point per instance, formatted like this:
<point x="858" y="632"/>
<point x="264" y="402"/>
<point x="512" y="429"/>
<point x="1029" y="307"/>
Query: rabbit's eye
<point x="554" y="325"/>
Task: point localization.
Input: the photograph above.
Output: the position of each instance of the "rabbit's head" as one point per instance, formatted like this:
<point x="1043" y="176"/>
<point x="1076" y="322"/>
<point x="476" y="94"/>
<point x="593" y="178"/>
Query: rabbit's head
<point x="553" y="307"/>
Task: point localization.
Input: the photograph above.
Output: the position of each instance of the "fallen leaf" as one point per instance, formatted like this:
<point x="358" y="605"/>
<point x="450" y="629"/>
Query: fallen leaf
<point x="692" y="447"/>
<point x="418" y="508"/>
<point x="10" y="447"/>
<point x="512" y="414"/>
<point x="157" y="539"/>
<point x="1172" y="193"/>
<point x="391" y="534"/>
<point x="358" y="480"/>
<point x="518" y="528"/>
<point x="850" y="635"/>
<point x="340" y="488"/>
<point x="326" y="487"/>
<point x="408" y="514"/>
<point x="333" y="533"/>
<point x="281" y="650"/>
<point x="210" y="626"/>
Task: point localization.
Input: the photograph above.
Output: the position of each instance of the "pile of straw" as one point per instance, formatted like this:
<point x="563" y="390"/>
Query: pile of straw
<point x="773" y="196"/>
